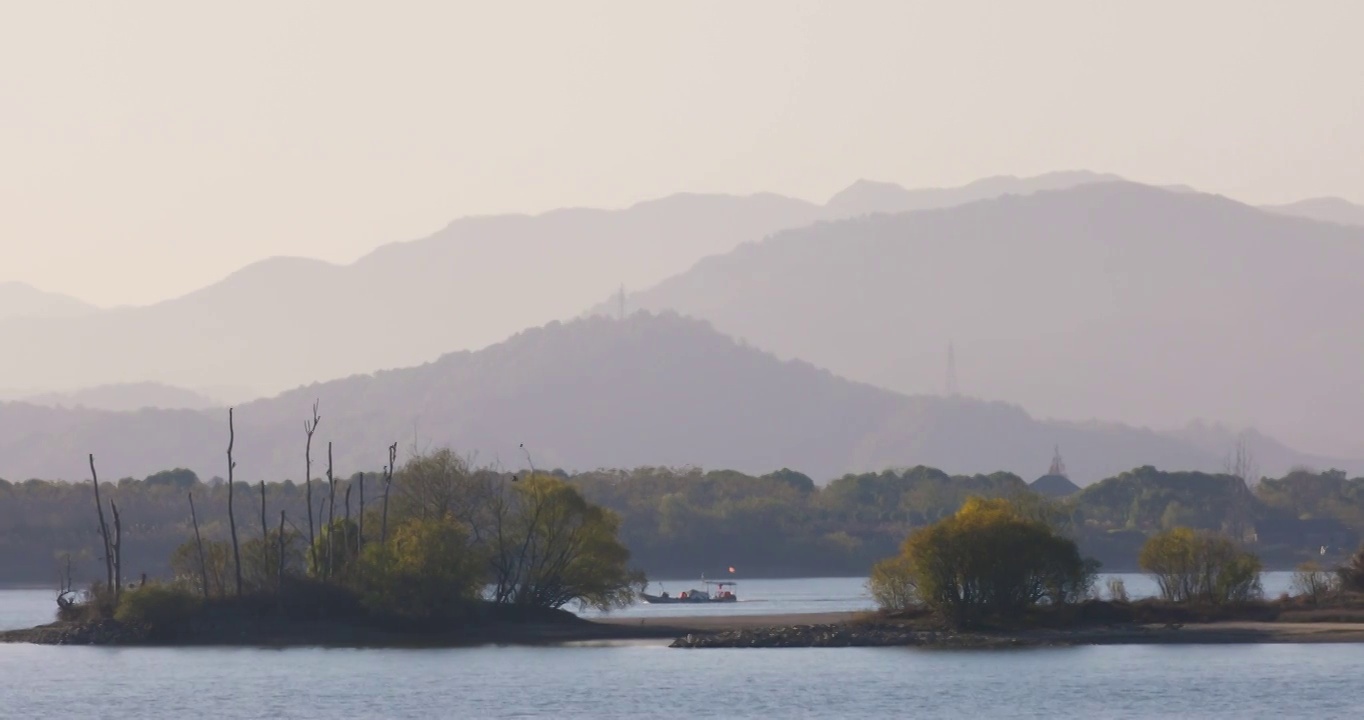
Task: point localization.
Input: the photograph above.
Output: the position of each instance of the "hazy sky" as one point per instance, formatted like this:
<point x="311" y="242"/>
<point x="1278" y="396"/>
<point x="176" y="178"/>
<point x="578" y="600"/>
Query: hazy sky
<point x="149" y="148"/>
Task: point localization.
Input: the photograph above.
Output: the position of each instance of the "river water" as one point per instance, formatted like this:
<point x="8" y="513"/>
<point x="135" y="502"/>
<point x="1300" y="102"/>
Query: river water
<point x="646" y="679"/>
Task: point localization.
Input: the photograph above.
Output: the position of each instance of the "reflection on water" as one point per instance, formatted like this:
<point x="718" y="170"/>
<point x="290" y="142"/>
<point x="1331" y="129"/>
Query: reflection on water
<point x="646" y="680"/>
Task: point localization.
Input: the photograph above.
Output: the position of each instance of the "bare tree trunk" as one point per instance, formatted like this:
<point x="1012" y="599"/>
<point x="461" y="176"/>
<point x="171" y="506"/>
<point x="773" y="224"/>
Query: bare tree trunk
<point x="103" y="528"/>
<point x="118" y="551"/>
<point x="345" y="527"/>
<point x="203" y="566"/>
<point x="360" y="531"/>
<point x="279" y="581"/>
<point x="231" y="516"/>
<point x="264" y="541"/>
<point x="65" y="584"/>
<point x="310" y="427"/>
<point x="388" y="482"/>
<point x="345" y="503"/>
<point x="331" y="511"/>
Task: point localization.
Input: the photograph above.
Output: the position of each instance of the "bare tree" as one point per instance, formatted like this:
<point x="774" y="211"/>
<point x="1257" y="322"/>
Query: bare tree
<point x="1241" y="462"/>
<point x="103" y="528"/>
<point x="331" y="509"/>
<point x="310" y="427"/>
<point x="360" y="531"/>
<point x="231" y="516"/>
<point x="118" y="551"/>
<point x="65" y="584"/>
<point x="264" y="538"/>
<point x="388" y="483"/>
<point x="346" y="502"/>
<point x="199" y="541"/>
<point x="279" y="581"/>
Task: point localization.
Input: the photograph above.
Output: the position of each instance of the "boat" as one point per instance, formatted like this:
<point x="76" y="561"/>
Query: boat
<point x="716" y="591"/>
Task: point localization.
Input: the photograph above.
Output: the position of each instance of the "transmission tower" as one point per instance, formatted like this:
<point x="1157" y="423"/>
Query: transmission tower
<point x="952" y="388"/>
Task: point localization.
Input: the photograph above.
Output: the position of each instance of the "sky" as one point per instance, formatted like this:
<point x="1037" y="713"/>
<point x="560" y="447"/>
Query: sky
<point x="151" y="148"/>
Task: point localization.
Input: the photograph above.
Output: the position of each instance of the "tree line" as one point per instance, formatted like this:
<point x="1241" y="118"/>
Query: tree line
<point x="680" y="522"/>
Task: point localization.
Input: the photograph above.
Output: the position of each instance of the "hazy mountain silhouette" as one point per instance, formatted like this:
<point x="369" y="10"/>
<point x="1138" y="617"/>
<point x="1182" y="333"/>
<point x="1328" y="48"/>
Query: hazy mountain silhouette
<point x="866" y="197"/>
<point x="286" y="321"/>
<point x="1111" y="300"/>
<point x="20" y="300"/>
<point x="649" y="390"/>
<point x="129" y="396"/>
<point x="1264" y="451"/>
<point x="1326" y="209"/>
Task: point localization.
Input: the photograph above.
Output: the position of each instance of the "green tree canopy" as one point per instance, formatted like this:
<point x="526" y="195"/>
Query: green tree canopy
<point x="1200" y="566"/>
<point x="426" y="569"/>
<point x="986" y="560"/>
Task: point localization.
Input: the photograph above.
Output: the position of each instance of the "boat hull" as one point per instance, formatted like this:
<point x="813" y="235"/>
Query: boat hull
<point x="671" y="600"/>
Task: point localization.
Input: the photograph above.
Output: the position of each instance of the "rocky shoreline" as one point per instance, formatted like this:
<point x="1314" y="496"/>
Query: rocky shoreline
<point x="892" y="635"/>
<point x="277" y="633"/>
<point x="773" y="631"/>
<point x="845" y="635"/>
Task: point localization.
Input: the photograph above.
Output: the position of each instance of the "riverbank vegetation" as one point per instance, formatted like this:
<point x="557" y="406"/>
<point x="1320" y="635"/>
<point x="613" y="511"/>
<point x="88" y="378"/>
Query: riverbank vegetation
<point x="458" y="548"/>
<point x="1011" y="564"/>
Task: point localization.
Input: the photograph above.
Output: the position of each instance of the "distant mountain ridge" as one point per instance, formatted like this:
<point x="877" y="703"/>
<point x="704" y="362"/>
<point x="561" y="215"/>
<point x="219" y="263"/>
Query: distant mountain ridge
<point x="1113" y="300"/>
<point x="125" y="397"/>
<point x="1325" y="209"/>
<point x="649" y="390"/>
<point x="867" y="197"/>
<point x="20" y="300"/>
<point x="286" y="321"/>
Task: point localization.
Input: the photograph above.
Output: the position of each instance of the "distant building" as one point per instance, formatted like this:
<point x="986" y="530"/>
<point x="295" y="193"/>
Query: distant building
<point x="1055" y="484"/>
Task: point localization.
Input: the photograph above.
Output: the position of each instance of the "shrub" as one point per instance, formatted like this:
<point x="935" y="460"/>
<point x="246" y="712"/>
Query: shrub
<point x="1192" y="566"/>
<point x="989" y="560"/>
<point x="892" y="584"/>
<point x="1117" y="590"/>
<point x="1352" y="575"/>
<point x="157" y="605"/>
<point x="1314" y="582"/>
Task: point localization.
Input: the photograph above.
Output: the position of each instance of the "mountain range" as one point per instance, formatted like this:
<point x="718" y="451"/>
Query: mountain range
<point x="287" y="321"/>
<point x="1075" y="295"/>
<point x="1107" y="300"/>
<point x="597" y="392"/>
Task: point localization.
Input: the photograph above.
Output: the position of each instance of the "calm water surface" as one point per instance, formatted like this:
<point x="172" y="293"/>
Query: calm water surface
<point x="646" y="680"/>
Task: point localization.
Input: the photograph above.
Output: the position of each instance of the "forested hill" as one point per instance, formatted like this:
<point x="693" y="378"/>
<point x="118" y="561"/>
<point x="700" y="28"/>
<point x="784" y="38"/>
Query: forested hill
<point x="1108" y="300"/>
<point x="658" y="390"/>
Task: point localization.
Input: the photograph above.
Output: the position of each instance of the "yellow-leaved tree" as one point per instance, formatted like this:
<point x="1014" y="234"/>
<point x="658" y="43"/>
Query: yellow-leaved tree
<point x="1196" y="566"/>
<point x="550" y="547"/>
<point x="987" y="560"/>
